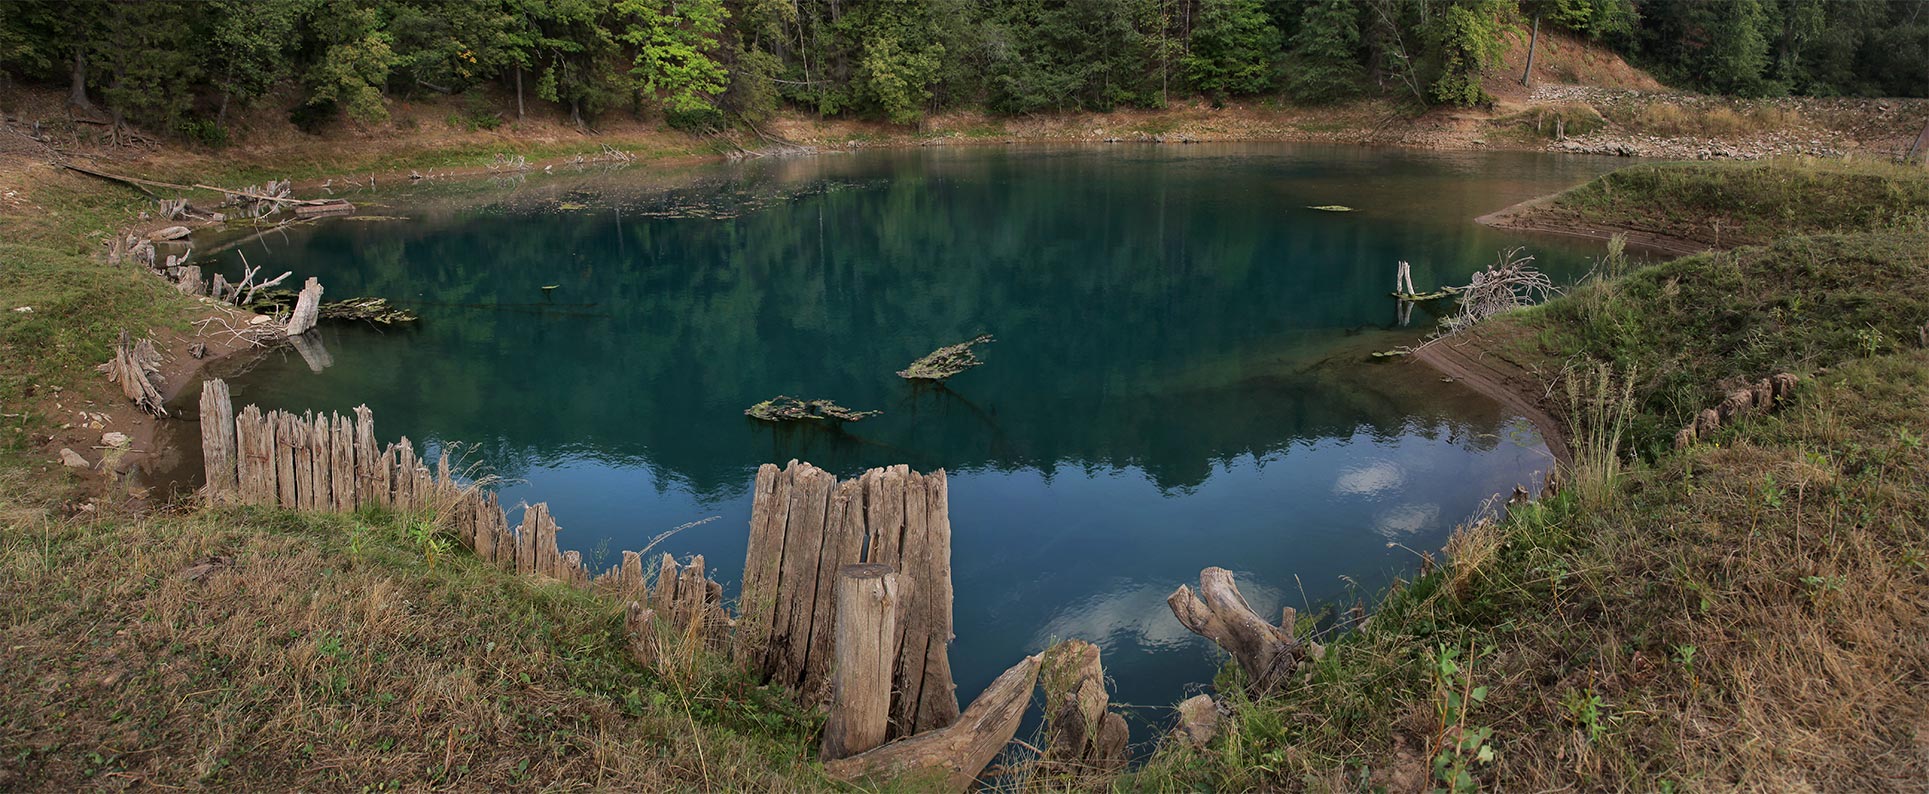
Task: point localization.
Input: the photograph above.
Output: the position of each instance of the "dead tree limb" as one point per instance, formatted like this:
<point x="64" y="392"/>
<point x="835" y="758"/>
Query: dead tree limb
<point x="1267" y="653"/>
<point x="136" y="366"/>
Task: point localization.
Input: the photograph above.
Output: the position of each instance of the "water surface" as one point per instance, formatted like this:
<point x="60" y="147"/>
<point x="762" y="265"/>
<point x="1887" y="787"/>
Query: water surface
<point x="1180" y="377"/>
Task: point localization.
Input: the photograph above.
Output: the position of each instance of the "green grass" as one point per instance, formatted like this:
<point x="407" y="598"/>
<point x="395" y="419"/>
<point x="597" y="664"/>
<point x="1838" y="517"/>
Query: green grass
<point x="1728" y="204"/>
<point x="329" y="653"/>
<point x="52" y="261"/>
<point x="1749" y="613"/>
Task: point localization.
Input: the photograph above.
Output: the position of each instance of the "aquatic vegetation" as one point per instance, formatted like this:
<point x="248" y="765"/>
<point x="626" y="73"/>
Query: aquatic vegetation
<point x="946" y="362"/>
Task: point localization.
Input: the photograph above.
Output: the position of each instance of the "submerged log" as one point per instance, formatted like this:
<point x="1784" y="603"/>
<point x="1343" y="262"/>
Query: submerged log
<point x="865" y="647"/>
<point x="783" y="408"/>
<point x="945" y="362"/>
<point x="1267" y="653"/>
<point x="950" y="758"/>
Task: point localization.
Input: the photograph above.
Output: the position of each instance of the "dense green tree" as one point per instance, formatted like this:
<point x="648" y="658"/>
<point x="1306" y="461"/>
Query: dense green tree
<point x="354" y="62"/>
<point x="1234" y="48"/>
<point x="676" y="48"/>
<point x="145" y="61"/>
<point x="1323" y="63"/>
<point x="1465" y="38"/>
<point x="247" y="51"/>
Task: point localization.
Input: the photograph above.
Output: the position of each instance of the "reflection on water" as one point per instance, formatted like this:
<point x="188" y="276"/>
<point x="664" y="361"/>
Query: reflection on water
<point x="1180" y="376"/>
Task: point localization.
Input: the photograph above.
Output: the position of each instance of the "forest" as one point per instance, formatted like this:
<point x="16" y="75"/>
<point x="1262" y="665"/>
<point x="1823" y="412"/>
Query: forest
<point x="184" y="67"/>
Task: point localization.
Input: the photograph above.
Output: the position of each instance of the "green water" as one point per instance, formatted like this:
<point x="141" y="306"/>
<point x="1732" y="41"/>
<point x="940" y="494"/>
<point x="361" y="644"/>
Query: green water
<point x="1180" y="376"/>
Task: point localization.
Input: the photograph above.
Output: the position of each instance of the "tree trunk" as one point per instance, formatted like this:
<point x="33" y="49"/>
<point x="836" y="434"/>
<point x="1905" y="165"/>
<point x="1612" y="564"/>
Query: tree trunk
<point x="77" y="87"/>
<point x="307" y="307"/>
<point x="1527" y="75"/>
<point x="518" y="91"/>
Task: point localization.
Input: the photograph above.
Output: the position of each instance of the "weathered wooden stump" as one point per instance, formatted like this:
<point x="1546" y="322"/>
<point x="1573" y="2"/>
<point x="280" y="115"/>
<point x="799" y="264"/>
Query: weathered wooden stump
<point x="1267" y="653"/>
<point x="863" y="653"/>
<point x="1083" y="741"/>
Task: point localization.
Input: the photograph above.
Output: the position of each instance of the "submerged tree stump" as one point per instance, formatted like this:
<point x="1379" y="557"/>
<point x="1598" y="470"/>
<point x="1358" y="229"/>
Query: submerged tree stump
<point x="945" y="362"/>
<point x="950" y="758"/>
<point x="1267" y="653"/>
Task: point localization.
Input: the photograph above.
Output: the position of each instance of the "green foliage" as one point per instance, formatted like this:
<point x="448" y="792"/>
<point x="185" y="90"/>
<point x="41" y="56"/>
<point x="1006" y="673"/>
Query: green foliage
<point x="1234" y="45"/>
<point x="354" y="63"/>
<point x="1466" y="40"/>
<point x="1323" y="63"/>
<point x="158" y="62"/>
<point x="676" y="46"/>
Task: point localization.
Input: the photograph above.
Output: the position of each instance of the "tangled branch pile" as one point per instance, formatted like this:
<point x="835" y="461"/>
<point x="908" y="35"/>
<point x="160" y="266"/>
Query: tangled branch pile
<point x="946" y="361"/>
<point x="783" y="408"/>
<point x="1510" y="283"/>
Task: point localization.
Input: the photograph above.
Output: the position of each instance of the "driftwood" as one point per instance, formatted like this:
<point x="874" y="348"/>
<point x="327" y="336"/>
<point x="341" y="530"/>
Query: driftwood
<point x="302" y="319"/>
<point x="1083" y="741"/>
<point x="945" y="362"/>
<point x="136" y="366"/>
<point x="784" y="408"/>
<point x="864" y="648"/>
<point x="949" y="759"/>
<point x="1267" y="653"/>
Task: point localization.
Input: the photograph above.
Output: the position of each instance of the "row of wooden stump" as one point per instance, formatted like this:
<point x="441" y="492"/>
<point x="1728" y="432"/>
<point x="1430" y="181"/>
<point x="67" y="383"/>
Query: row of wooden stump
<point x="847" y="595"/>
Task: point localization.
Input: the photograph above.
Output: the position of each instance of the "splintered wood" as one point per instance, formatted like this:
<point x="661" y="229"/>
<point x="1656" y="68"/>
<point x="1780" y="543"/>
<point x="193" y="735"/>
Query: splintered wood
<point x="805" y="526"/>
<point x="136" y="367"/>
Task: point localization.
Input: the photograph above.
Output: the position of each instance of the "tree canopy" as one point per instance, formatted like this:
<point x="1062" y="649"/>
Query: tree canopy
<point x="181" y="65"/>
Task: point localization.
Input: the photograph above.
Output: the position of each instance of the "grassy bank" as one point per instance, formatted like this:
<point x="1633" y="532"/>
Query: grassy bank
<point x="1731" y="204"/>
<point x="1751" y="613"/>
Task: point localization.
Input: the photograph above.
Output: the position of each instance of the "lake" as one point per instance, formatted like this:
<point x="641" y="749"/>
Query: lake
<point x="1181" y="375"/>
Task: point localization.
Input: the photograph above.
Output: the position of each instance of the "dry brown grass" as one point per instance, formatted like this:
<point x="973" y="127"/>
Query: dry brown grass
<point x="323" y="653"/>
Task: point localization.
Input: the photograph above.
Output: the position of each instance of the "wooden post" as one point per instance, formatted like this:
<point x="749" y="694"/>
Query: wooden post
<point x="952" y="756"/>
<point x="1267" y="653"/>
<point x="865" y="647"/>
<point x="288" y="438"/>
<point x="368" y="459"/>
<point x="757" y="606"/>
<point x="797" y="593"/>
<point x="1920" y="148"/>
<point x="345" y="482"/>
<point x="843" y="546"/>
<point x="307" y="307"/>
<point x="218" y="446"/>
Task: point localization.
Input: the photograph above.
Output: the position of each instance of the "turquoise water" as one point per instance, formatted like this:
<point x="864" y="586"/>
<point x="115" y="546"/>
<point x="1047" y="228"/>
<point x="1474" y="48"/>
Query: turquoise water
<point x="1180" y="377"/>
